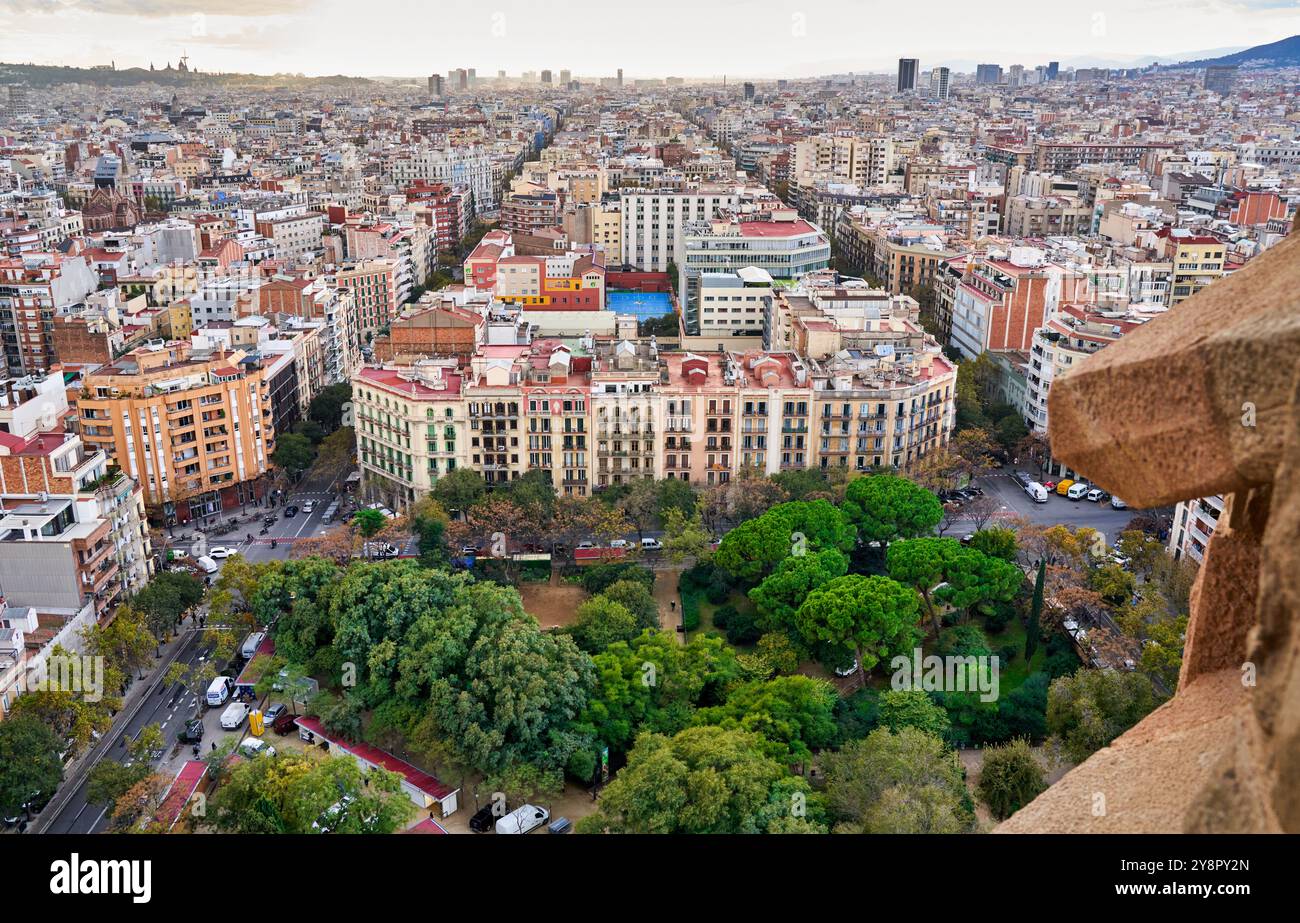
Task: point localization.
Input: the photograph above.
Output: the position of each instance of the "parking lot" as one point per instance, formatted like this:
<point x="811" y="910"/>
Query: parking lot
<point x="1002" y="486"/>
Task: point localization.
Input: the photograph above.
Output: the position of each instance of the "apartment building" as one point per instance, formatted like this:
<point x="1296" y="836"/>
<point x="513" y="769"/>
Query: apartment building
<point x="1002" y="300"/>
<point x="877" y="408"/>
<point x="33" y="289"/>
<point x="555" y="396"/>
<point x="1197" y="261"/>
<point x="373" y="286"/>
<point x="566" y="281"/>
<point x="654" y="222"/>
<point x="192" y="426"/>
<point x="1194" y="523"/>
<point x="411" y="424"/>
<point x="626" y="411"/>
<point x="1070" y="335"/>
<point x="292" y="237"/>
<point x="97" y="541"/>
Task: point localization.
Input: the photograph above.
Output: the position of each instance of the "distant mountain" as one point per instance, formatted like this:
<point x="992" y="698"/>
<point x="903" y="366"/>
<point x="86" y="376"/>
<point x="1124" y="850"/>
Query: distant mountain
<point x="1282" y="53"/>
<point x="41" y="75"/>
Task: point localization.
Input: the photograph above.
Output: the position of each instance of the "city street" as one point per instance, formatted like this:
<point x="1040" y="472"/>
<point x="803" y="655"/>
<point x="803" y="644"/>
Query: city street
<point x="168" y="707"/>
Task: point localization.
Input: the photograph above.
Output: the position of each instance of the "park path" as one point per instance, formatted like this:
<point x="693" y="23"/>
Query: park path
<point x="665" y="594"/>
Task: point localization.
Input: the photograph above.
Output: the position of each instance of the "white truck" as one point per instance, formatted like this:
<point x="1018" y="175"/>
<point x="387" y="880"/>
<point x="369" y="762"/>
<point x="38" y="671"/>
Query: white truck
<point x="234" y="715"/>
<point x="523" y="820"/>
<point x="1037" y="492"/>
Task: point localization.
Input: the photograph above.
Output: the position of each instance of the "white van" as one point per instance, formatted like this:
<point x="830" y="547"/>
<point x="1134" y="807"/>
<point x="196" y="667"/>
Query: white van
<point x="219" y="690"/>
<point x="251" y="644"/>
<point x="1037" y="492"/>
<point x="234" y="716"/>
<point x="209" y="566"/>
<point x="1078" y="490"/>
<point x="522" y="820"/>
<point x="651" y="544"/>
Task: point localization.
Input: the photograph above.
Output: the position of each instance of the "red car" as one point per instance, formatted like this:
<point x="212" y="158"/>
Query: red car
<point x="283" y="723"/>
<point x="1050" y="485"/>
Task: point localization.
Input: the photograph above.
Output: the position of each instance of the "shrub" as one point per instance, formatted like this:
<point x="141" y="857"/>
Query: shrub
<point x="1010" y="778"/>
<point x="723" y="615"/>
<point x="600" y="577"/>
<point x="742" y="627"/>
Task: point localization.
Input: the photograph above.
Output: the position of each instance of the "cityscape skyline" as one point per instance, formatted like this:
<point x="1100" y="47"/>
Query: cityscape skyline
<point x="809" y="40"/>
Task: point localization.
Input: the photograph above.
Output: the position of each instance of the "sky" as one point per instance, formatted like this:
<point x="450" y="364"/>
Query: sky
<point x="686" y="38"/>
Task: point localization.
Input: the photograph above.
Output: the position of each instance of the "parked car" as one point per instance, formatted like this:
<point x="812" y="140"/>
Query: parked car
<point x="221" y="551"/>
<point x="177" y="554"/>
<point x="382" y="549"/>
<point x="483" y="819"/>
<point x="560" y="825"/>
<point x="847" y="671"/>
<point x="523" y="820"/>
<point x="651" y="544"/>
<point x="253" y="747"/>
<point x="284" y="723"/>
<point x="1078" y="490"/>
<point x="1050" y="485"/>
<point x="1063" y="486"/>
<point x="290" y="511"/>
<point x="1024" y="478"/>
<point x="585" y="546"/>
<point x="1096" y="495"/>
<point x="192" y="733"/>
<point x="1117" y="504"/>
<point x="618" y="543"/>
<point x="274" y="712"/>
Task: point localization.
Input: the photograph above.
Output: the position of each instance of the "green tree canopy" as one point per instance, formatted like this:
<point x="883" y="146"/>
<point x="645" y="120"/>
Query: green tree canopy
<point x="1088" y="710"/>
<point x="1009" y="778"/>
<point x="886" y="507"/>
<point x="703" y="780"/>
<point x="29" y="761"/>
<point x="874" y="616"/>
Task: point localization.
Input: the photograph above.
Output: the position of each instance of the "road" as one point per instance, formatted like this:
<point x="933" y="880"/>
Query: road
<point x="284" y="531"/>
<point x="164" y="705"/>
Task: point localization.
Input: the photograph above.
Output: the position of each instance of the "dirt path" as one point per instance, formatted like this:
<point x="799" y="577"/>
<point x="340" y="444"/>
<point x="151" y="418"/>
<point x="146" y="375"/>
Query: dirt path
<point x="670" y="604"/>
<point x="554" y="604"/>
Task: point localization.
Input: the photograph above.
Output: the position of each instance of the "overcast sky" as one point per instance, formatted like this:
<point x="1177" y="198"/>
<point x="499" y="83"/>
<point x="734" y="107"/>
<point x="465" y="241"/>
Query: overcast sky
<point x="689" y="38"/>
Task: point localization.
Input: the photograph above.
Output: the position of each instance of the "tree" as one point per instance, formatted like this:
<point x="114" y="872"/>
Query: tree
<point x="640" y="504"/>
<point x="684" y="536"/>
<point x="369" y="522"/>
<point x="1088" y="710"/>
<point x="874" y="616"/>
<point x="636" y="598"/>
<point x="29" y="762"/>
<point x="677" y="494"/>
<point x="980" y="510"/>
<point x="1009" y="778"/>
<point x="754" y="548"/>
<point x="524" y="783"/>
<point x="326" y="408"/>
<point x="996" y="543"/>
<point x="602" y="621"/>
<point x="779" y="596"/>
<point x="135" y="811"/>
<point x="885" y="507"/>
<point x="1034" y="628"/>
<point x="458" y="490"/>
<point x="125" y="643"/>
<point x="794" y="715"/>
<point x="290" y="792"/>
<point x="166" y="598"/>
<point x="110" y="780"/>
<point x="293" y="453"/>
<point x="897" y="782"/>
<point x="900" y="708"/>
<point x="923" y="563"/>
<point x="701" y="780"/>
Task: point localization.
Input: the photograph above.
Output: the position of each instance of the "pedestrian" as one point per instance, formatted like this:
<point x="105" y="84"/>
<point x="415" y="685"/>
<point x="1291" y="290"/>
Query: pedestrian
<point x="214" y="746"/>
<point x="674" y="605"/>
